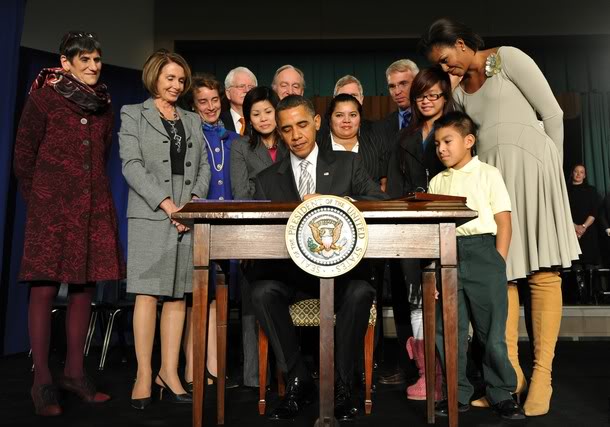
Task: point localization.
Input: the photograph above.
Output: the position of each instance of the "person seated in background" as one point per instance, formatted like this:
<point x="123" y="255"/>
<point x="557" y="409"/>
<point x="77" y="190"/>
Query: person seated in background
<point x="482" y="248"/>
<point x="584" y="205"/>
<point x="206" y="93"/>
<point x="307" y="171"/>
<point x="237" y="84"/>
<point x="344" y="116"/>
<point x="288" y="80"/>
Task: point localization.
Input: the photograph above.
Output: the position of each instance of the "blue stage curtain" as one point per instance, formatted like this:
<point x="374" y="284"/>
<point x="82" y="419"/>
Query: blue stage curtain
<point x="11" y="21"/>
<point x="125" y="87"/>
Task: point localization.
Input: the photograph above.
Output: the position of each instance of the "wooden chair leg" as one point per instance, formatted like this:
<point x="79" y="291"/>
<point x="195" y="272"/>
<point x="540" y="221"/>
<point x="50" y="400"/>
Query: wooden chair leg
<point x="368" y="368"/>
<point x="263" y="351"/>
<point x="281" y="385"/>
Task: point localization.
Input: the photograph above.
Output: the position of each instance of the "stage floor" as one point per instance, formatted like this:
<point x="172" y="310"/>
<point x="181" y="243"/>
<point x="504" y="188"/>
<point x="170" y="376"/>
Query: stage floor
<point x="580" y="398"/>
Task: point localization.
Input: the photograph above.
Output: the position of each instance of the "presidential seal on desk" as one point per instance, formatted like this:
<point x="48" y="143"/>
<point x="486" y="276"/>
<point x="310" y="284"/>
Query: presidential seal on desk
<point x="326" y="236"/>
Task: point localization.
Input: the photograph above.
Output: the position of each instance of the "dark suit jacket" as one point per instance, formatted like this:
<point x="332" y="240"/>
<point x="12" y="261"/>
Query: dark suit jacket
<point x="388" y="129"/>
<point x="410" y="167"/>
<point x="372" y="150"/>
<point x="227" y="120"/>
<point x="337" y="173"/>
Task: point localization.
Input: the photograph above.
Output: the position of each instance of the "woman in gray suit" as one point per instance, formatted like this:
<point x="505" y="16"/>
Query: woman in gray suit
<point x="261" y="145"/>
<point x="165" y="166"/>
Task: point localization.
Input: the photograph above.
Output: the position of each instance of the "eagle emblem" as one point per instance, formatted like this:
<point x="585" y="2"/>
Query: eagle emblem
<point x="326" y="233"/>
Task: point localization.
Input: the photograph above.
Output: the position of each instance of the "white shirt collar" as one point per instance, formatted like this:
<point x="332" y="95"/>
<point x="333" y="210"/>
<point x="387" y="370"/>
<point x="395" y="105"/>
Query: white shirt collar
<point x="338" y="147"/>
<point x="295" y="163"/>
<point x="235" y="116"/>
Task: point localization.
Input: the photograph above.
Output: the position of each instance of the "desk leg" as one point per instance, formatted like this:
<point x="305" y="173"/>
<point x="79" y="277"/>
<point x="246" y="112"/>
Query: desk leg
<point x="449" y="295"/>
<point x="221" y="334"/>
<point x="201" y="261"/>
<point x="327" y="354"/>
<point x="429" y="287"/>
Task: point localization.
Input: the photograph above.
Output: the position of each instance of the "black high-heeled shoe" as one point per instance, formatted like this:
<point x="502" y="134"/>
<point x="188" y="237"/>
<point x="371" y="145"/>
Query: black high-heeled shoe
<point x="166" y="393"/>
<point x="143" y="402"/>
<point x="211" y="379"/>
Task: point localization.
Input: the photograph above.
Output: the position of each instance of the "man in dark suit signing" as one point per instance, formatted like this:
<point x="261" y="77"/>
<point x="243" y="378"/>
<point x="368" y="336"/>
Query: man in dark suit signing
<point x="305" y="172"/>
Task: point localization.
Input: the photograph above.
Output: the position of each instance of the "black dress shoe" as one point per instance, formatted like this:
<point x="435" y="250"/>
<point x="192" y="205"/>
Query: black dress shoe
<point x="344" y="406"/>
<point x="299" y="393"/>
<point x="393" y="378"/>
<point x="143" y="402"/>
<point x="442" y="408"/>
<point x="509" y="410"/>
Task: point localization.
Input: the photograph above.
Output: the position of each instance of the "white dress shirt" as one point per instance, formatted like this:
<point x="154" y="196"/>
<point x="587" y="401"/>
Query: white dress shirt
<point x="235" y="116"/>
<point x="338" y="147"/>
<point x="295" y="163"/>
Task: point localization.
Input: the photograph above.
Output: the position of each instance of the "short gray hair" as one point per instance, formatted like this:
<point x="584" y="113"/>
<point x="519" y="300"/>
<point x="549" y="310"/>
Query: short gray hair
<point x="401" y="66"/>
<point x="344" y="81"/>
<point x="231" y="76"/>
<point x="284" y="68"/>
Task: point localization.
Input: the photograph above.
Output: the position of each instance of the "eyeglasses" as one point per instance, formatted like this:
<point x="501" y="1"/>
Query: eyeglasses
<point x="243" y="86"/>
<point x="429" y="97"/>
<point x="403" y="85"/>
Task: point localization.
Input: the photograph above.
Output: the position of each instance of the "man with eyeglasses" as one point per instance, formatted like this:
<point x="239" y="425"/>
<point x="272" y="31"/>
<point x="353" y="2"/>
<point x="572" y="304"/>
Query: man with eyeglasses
<point x="288" y="80"/>
<point x="400" y="75"/>
<point x="237" y="84"/>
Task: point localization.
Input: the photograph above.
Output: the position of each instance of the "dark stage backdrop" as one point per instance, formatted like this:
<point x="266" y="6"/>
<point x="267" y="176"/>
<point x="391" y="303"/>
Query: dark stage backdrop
<point x="125" y="87"/>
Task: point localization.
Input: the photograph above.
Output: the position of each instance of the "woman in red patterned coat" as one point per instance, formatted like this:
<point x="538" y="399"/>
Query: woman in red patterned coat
<point x="71" y="235"/>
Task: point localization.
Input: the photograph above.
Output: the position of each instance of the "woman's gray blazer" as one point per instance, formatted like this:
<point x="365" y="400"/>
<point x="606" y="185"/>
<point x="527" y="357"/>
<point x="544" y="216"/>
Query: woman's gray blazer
<point x="246" y="163"/>
<point x="144" y="151"/>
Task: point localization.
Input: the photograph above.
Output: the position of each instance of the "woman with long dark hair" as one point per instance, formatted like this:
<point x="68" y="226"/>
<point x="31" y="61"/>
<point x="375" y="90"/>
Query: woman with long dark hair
<point x="261" y="145"/>
<point x="71" y="235"/>
<point x="503" y="90"/>
<point x="346" y="133"/>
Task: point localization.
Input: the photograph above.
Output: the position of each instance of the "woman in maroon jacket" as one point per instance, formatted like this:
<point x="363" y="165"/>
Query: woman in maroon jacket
<point x="71" y="236"/>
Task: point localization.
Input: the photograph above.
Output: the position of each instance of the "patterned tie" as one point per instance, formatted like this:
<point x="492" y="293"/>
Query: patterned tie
<point x="406" y="118"/>
<point x="242" y="122"/>
<point x="305" y="180"/>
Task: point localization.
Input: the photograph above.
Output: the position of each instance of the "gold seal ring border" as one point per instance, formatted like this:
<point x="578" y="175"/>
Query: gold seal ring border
<point x="291" y="239"/>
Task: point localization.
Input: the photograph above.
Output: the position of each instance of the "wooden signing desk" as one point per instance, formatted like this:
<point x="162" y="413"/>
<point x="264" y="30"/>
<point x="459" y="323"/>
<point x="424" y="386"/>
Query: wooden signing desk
<point x="422" y="229"/>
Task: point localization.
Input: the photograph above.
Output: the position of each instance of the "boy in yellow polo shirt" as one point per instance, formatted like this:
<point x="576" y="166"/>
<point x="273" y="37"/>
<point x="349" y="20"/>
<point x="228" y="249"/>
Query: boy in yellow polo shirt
<point x="482" y="246"/>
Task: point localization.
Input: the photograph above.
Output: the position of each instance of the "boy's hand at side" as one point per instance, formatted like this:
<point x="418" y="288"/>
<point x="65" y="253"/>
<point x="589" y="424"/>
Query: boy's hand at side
<point x="504" y="233"/>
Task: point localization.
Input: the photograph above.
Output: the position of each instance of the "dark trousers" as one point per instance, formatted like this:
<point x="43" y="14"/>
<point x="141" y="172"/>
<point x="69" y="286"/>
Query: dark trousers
<point x="482" y="301"/>
<point x="353" y="300"/>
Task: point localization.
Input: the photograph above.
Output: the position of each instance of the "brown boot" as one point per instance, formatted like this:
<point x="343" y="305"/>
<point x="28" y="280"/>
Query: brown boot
<point x="546" y="320"/>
